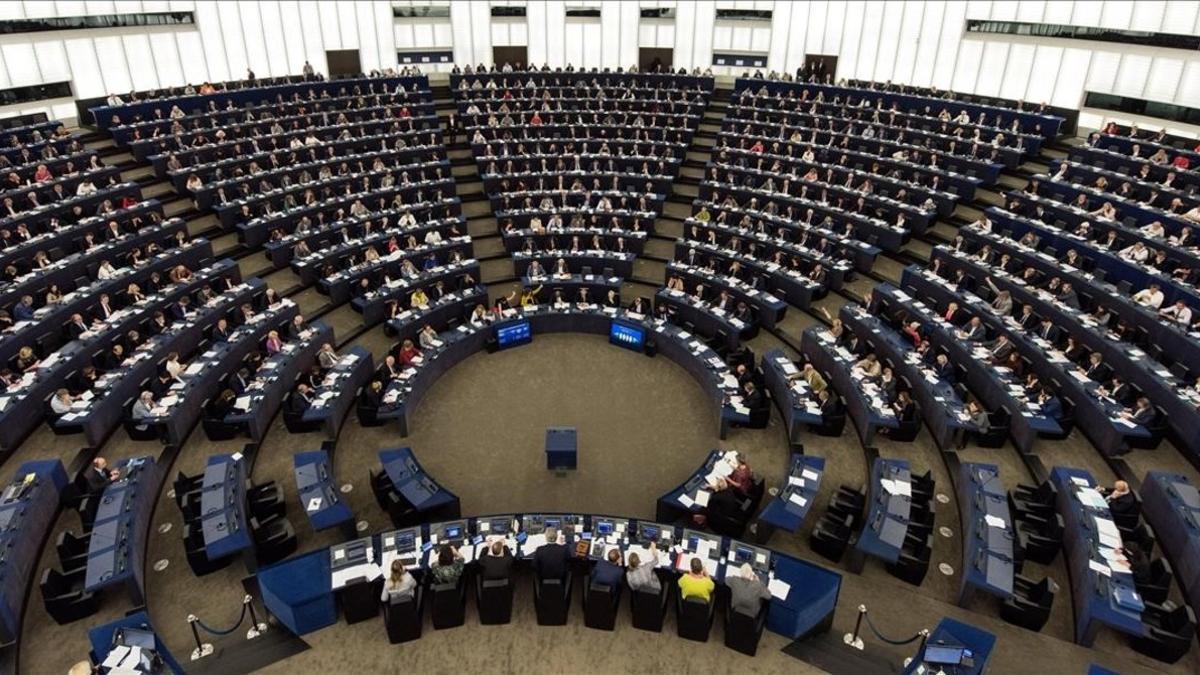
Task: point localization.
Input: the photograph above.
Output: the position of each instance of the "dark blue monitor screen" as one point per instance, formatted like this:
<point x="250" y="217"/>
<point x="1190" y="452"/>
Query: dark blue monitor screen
<point x="627" y="335"/>
<point x="551" y="522"/>
<point x="743" y="554"/>
<point x="453" y="532"/>
<point x="604" y="528"/>
<point x="650" y="532"/>
<point x="510" y="334"/>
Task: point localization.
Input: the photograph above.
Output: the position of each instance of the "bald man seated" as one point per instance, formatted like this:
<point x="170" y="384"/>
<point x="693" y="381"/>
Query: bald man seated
<point x="1120" y="499"/>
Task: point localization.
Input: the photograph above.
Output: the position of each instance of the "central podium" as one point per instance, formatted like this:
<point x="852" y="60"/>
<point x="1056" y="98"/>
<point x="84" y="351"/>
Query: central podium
<point x="561" y="448"/>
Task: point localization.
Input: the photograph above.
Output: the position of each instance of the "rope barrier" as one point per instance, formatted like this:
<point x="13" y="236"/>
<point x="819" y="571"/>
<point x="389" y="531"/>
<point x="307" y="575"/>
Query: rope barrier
<point x="214" y="631"/>
<point x="204" y="649"/>
<point x="888" y="640"/>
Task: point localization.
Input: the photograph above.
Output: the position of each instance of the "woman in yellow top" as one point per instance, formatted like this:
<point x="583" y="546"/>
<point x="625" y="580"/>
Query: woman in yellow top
<point x="529" y="296"/>
<point x="697" y="583"/>
<point x="418" y="298"/>
<point x="703" y="216"/>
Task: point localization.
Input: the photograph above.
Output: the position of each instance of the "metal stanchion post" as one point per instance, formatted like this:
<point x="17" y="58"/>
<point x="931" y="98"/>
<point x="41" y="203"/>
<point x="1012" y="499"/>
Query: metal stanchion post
<point x="256" y="628"/>
<point x="924" y="636"/>
<point x="202" y="648"/>
<point x="853" y="639"/>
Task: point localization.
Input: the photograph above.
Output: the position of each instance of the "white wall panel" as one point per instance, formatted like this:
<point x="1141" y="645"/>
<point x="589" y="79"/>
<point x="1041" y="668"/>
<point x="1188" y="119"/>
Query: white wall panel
<point x="946" y="63"/>
<point x="1086" y="13"/>
<point x="1148" y="15"/>
<point x="1058" y="11"/>
<point x="1189" y="86"/>
<point x="1072" y="74"/>
<point x="927" y="49"/>
<point x="1031" y="11"/>
<point x="911" y="17"/>
<point x="869" y="48"/>
<point x="1004" y="10"/>
<point x="254" y="38"/>
<point x="310" y="29"/>
<point x="231" y="31"/>
<point x="1018" y="71"/>
<point x="460" y="26"/>
<point x="167" y="63"/>
<point x="347" y="22"/>
<point x="21" y="63"/>
<point x="85" y="68"/>
<point x="1116" y="13"/>
<point x="1177" y="16"/>
<point x="966" y="66"/>
<point x="1043" y="73"/>
<point x="1163" y="79"/>
<point x="212" y="40"/>
<point x="991" y="69"/>
<point x="1132" y="74"/>
<point x="280" y="59"/>
<point x="610" y="34"/>
<point x="835" y="27"/>
<point x="142" y="65"/>
<point x="852" y="36"/>
<point x="193" y="58"/>
<point x="52" y="63"/>
<point x="115" y="70"/>
<point x="535" y="20"/>
<point x="1102" y="76"/>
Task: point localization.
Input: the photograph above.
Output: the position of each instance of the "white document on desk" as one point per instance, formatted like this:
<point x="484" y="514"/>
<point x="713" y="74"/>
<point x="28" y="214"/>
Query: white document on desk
<point x="995" y="521"/>
<point x="779" y="588"/>
<point x="702" y="497"/>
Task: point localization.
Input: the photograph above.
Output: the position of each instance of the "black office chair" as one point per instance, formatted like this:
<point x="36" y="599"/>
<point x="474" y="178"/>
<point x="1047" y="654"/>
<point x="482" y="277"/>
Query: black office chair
<point x="848" y="502"/>
<point x="552" y="599"/>
<point x="494" y="598"/>
<point x="913" y="564"/>
<point x="1066" y="422"/>
<point x="381" y="485"/>
<point x="139" y="431"/>
<point x="694" y="618"/>
<point x="266" y="501"/>
<point x="359" y="599"/>
<point x="72" y="551"/>
<point x="1040" y="538"/>
<point x="1039" y="501"/>
<point x="1158" y="428"/>
<point x="1156" y="588"/>
<point x="402" y="616"/>
<point x="743" y="631"/>
<point x="1030" y="604"/>
<point x="1169" y="632"/>
<point x="600" y="604"/>
<point x="274" y="539"/>
<point x="449" y="604"/>
<point x="832" y="425"/>
<point x="996" y="433"/>
<point x="907" y="431"/>
<point x="196" y="554"/>
<point x="64" y="597"/>
<point x="831" y="535"/>
<point x="648" y="609"/>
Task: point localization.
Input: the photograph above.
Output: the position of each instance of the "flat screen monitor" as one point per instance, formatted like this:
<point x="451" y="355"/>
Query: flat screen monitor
<point x="551" y="522"/>
<point x="649" y="533"/>
<point x="454" y="532"/>
<point x="627" y="335"/>
<point x="604" y="529"/>
<point x="513" y="333"/>
<point x="950" y="656"/>
<point x="743" y="554"/>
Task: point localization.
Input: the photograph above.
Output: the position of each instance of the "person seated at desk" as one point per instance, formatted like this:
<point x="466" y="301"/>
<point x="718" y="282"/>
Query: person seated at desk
<point x="98" y="476"/>
<point x="161" y="385"/>
<point x="1139" y="563"/>
<point x="752" y="398"/>
<point x="912" y="330"/>
<point x="1096" y="370"/>
<point x="480" y="317"/>
<point x="301" y="400"/>
<point x="1143" y="412"/>
<point x="529" y="296"/>
<point x="1150" y="296"/>
<point x="1000" y="349"/>
<point x="143" y="408"/>
<point x="327" y="357"/>
<point x="220" y="333"/>
<point x="428" y="337"/>
<point x="869" y="366"/>
<point x="952" y="314"/>
<point x="60" y="403"/>
<point x="447" y="567"/>
<point x="974" y="331"/>
<point x="399" y="582"/>
<point x="408" y="353"/>
<point x="696" y="583"/>
<point x="222" y="405"/>
<point x="26" y="360"/>
<point x="611" y="299"/>
<point x="639" y="305"/>
<point x="812" y="376"/>
<point x="746" y="591"/>
<point x="1047" y="331"/>
<point x="1067" y="295"/>
<point x="608" y="571"/>
<point x="550" y="560"/>
<point x="943" y="369"/>
<point x="273" y="344"/>
<point x="1120" y="498"/>
<point x="1178" y="313"/>
<point x="1002" y="305"/>
<point x="1050" y="404"/>
<point x="905" y="407"/>
<point x="642" y="577"/>
<point x="496" y="562"/>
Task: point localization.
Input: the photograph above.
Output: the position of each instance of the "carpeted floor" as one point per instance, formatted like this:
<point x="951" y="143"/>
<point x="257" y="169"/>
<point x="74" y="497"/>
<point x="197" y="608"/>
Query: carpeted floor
<point x="644" y="425"/>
